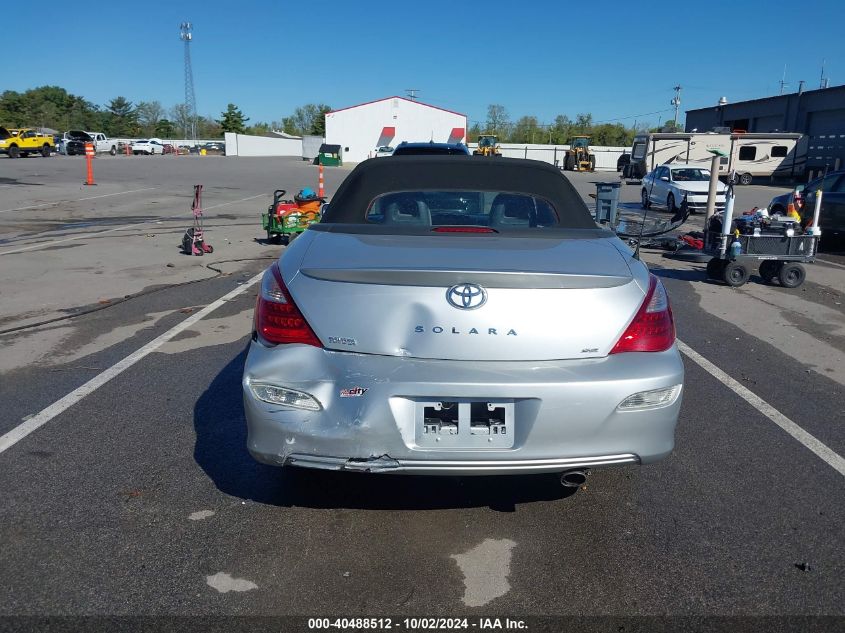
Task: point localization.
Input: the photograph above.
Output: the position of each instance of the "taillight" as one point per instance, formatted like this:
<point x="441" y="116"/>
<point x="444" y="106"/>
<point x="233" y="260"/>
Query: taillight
<point x="277" y="319"/>
<point x="652" y="329"/>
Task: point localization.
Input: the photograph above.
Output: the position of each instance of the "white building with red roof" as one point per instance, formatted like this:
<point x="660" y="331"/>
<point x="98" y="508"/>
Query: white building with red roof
<point x="361" y="129"/>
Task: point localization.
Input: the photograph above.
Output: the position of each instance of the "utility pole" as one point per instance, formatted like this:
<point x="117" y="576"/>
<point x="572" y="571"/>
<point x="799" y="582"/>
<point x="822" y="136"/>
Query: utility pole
<point x="186" y="35"/>
<point x="412" y="93"/>
<point x="676" y="102"/>
<point x="782" y="82"/>
<point x="823" y="79"/>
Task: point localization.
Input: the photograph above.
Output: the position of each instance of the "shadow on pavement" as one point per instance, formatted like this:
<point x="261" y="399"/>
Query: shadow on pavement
<point x="220" y="450"/>
<point x="15" y="181"/>
<point x="698" y="275"/>
<point x="263" y="241"/>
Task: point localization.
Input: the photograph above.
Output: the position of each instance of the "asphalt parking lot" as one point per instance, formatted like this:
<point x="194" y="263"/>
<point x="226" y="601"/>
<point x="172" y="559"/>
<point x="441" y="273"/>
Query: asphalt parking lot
<point x="127" y="489"/>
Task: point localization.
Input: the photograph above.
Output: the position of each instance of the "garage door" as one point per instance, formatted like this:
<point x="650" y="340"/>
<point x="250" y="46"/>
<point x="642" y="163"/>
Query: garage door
<point x="826" y="147"/>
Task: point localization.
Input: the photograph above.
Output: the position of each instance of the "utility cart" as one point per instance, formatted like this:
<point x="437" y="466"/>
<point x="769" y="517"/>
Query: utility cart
<point x="777" y="257"/>
<point x="777" y="246"/>
<point x="286" y="219"/>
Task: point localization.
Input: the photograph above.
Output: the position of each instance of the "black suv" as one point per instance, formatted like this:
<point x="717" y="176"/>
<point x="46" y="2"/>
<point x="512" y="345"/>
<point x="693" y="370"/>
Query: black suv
<point x="75" y="142"/>
<point x="832" y="218"/>
<point x="415" y="149"/>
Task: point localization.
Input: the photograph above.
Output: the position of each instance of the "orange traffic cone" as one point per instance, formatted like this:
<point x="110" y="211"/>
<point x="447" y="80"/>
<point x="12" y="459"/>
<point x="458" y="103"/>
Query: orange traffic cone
<point x="321" y="191"/>
<point x="89" y="160"/>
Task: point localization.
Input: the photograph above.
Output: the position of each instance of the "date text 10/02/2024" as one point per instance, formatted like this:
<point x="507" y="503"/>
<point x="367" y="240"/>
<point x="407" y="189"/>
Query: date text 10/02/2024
<point x="416" y="624"/>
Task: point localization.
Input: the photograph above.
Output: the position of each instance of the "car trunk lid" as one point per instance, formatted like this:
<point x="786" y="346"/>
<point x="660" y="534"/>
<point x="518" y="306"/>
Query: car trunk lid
<point x="543" y="298"/>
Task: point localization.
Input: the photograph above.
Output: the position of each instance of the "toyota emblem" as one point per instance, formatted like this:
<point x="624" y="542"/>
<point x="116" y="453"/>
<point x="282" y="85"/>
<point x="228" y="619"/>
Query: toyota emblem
<point x="466" y="296"/>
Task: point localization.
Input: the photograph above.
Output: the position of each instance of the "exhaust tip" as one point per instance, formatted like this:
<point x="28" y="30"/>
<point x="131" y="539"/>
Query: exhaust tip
<point x="573" y="478"/>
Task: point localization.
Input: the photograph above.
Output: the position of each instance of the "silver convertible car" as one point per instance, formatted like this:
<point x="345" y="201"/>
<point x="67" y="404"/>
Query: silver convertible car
<point x="453" y="315"/>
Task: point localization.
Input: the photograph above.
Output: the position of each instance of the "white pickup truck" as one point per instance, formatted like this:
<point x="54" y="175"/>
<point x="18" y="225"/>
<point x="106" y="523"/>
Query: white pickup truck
<point x="103" y="143"/>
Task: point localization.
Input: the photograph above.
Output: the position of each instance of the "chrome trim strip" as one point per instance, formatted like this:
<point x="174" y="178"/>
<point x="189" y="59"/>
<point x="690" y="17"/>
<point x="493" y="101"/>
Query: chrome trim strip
<point x="488" y="279"/>
<point x="388" y="464"/>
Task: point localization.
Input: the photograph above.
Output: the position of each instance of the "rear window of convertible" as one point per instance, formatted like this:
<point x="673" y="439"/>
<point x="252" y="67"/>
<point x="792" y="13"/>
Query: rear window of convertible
<point x="495" y="209"/>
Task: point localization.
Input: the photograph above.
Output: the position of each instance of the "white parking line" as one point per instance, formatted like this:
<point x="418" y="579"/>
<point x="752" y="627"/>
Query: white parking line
<point x="821" y="260"/>
<point x="823" y="452"/>
<point x="33" y="247"/>
<point x="226" y="204"/>
<point x="106" y="195"/>
<point x="43" y="417"/>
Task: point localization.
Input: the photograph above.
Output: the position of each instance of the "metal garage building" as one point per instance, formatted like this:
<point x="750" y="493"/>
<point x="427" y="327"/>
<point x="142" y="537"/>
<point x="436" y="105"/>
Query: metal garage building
<point x="360" y="129"/>
<point x="818" y="114"/>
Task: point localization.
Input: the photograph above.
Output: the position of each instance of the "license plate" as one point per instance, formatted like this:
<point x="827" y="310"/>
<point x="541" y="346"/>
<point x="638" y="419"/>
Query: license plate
<point x="464" y="424"/>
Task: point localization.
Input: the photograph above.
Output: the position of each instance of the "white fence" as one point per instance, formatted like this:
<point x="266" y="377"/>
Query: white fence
<point x="311" y="146"/>
<point x="247" y="145"/>
<point x="176" y="142"/>
<point x="606" y="157"/>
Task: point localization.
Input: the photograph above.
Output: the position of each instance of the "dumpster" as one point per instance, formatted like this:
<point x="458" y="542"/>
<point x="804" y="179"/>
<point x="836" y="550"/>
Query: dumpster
<point x="607" y="199"/>
<point x="330" y="155"/>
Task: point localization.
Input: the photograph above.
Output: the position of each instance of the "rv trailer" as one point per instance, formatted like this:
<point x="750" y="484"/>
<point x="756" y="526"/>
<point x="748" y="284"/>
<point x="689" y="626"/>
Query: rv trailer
<point x="751" y="155"/>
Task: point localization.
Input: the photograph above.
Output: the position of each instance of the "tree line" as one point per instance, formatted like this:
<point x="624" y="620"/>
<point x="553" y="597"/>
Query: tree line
<point x="309" y="119"/>
<point x="528" y="129"/>
<point x="54" y="107"/>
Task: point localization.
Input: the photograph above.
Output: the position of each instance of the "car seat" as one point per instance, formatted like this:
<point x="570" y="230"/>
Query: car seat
<point x="510" y="209"/>
<point x="406" y="209"/>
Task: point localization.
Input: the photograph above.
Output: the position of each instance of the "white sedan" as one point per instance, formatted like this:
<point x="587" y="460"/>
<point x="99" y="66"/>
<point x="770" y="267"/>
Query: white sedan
<point x="151" y="146"/>
<point x="667" y="185"/>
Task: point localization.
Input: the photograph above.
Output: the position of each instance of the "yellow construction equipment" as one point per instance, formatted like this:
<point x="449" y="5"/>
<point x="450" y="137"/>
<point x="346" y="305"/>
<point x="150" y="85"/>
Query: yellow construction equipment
<point x="488" y="145"/>
<point x="578" y="156"/>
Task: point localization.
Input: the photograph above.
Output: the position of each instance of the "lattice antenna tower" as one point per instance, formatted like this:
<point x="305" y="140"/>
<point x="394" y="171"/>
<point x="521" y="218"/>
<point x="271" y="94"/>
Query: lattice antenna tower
<point x="187" y="36"/>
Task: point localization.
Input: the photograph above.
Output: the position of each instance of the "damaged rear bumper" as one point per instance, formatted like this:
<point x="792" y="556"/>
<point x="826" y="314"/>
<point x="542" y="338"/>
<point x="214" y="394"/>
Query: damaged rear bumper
<point x="386" y="464"/>
<point x="564" y="413"/>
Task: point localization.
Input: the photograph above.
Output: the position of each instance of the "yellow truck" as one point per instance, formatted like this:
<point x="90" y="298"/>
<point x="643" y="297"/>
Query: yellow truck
<point x="24" y="142"/>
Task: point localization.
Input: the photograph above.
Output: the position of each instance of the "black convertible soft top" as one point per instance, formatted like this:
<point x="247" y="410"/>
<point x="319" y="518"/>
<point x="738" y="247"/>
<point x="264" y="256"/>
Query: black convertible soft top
<point x="375" y="177"/>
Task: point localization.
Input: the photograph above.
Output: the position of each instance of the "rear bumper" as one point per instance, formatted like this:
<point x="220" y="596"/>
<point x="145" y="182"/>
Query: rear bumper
<point x="385" y="464"/>
<point x="565" y="412"/>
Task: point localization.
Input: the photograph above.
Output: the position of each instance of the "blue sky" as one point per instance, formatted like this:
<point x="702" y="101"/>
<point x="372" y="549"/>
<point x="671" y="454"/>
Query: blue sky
<point x="269" y="57"/>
